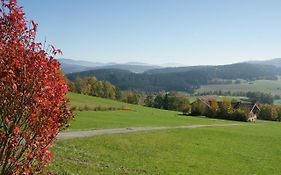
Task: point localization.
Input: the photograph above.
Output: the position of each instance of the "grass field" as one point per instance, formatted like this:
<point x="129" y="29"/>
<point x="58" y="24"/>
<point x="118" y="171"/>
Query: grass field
<point x="136" y="116"/>
<point x="245" y="149"/>
<point x="267" y="86"/>
<point x="79" y="100"/>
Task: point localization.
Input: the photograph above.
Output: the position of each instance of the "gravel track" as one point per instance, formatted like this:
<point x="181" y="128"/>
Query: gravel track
<point x="79" y="134"/>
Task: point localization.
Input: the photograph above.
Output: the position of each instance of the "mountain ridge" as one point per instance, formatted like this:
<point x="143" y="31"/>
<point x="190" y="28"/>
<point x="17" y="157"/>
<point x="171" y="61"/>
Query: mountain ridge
<point x="180" y="79"/>
<point x="68" y="66"/>
<point x="274" y="62"/>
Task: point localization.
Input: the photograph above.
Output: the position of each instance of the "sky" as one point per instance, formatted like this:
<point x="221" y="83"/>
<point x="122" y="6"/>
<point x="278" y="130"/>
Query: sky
<point x="186" y="32"/>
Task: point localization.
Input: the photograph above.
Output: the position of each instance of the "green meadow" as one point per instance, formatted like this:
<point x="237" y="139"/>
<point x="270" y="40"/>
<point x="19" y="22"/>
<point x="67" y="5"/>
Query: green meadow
<point x="250" y="148"/>
<point x="267" y="86"/>
<point x="132" y="116"/>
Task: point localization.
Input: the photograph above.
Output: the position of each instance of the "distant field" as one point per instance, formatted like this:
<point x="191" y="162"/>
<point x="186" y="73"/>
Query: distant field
<point x="245" y="149"/>
<point x="277" y="102"/>
<point x="267" y="86"/>
<point x="135" y="116"/>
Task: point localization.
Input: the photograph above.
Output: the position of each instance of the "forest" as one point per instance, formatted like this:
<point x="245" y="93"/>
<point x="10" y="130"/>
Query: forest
<point x="180" y="79"/>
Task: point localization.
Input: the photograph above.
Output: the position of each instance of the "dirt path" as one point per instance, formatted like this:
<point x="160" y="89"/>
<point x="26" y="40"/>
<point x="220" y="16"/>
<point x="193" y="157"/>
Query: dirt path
<point x="78" y="134"/>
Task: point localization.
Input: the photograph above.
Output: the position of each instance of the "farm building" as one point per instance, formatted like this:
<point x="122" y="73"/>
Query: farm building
<point x="251" y="108"/>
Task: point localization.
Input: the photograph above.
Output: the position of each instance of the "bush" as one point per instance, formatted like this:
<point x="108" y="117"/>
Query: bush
<point x="148" y="101"/>
<point x="73" y="108"/>
<point x="224" y="110"/>
<point x="100" y="108"/>
<point x="186" y="110"/>
<point x="260" y="97"/>
<point x="130" y="97"/>
<point x="211" y="113"/>
<point x="269" y="112"/>
<point x="239" y="115"/>
<point x="198" y="109"/>
<point x="86" y="108"/>
<point x="279" y="113"/>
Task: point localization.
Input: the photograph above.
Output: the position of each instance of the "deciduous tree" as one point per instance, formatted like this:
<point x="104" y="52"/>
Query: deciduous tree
<point x="33" y="106"/>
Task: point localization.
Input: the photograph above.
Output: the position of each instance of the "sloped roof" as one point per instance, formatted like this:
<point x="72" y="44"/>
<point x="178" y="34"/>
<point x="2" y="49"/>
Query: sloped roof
<point x="249" y="107"/>
<point x="245" y="106"/>
<point x="207" y="100"/>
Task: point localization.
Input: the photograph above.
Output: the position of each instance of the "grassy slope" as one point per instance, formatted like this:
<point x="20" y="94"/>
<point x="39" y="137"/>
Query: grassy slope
<point x="268" y="86"/>
<point x="246" y="149"/>
<point x="79" y="100"/>
<point x="136" y="116"/>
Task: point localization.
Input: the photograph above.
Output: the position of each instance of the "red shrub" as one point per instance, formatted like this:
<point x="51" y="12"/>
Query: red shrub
<point x="33" y="107"/>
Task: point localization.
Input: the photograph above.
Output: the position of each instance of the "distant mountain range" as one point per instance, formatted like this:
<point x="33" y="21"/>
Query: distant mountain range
<point x="144" y="77"/>
<point x="273" y="62"/>
<point x="72" y="66"/>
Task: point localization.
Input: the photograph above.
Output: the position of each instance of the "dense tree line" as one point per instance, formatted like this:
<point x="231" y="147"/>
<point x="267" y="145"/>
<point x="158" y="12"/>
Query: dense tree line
<point x="222" y="93"/>
<point x="260" y="97"/>
<point x="188" y="79"/>
<point x="270" y="112"/>
<point x="99" y="88"/>
<point x="223" y="110"/>
<point x="168" y="101"/>
<point x="126" y="80"/>
<point x="93" y="87"/>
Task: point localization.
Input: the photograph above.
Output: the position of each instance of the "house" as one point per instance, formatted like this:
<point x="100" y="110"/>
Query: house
<point x="251" y="108"/>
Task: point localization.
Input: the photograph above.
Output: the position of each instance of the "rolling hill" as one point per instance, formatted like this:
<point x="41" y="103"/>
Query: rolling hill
<point x="180" y="79"/>
<point x="250" y="148"/>
<point x="135" y="115"/>
<point x="72" y="66"/>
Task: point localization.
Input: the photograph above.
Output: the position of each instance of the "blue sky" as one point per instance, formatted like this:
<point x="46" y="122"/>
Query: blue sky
<point x="189" y="32"/>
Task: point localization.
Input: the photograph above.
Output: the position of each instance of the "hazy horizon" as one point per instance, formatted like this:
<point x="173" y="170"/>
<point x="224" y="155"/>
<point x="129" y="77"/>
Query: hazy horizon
<point x="209" y="32"/>
<point x="171" y="64"/>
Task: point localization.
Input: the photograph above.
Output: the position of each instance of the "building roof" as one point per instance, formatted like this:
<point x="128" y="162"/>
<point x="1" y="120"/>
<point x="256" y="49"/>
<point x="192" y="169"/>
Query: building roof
<point x="207" y="100"/>
<point x="250" y="107"/>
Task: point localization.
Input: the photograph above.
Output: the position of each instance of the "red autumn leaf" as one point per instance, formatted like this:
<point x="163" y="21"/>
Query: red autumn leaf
<point x="34" y="25"/>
